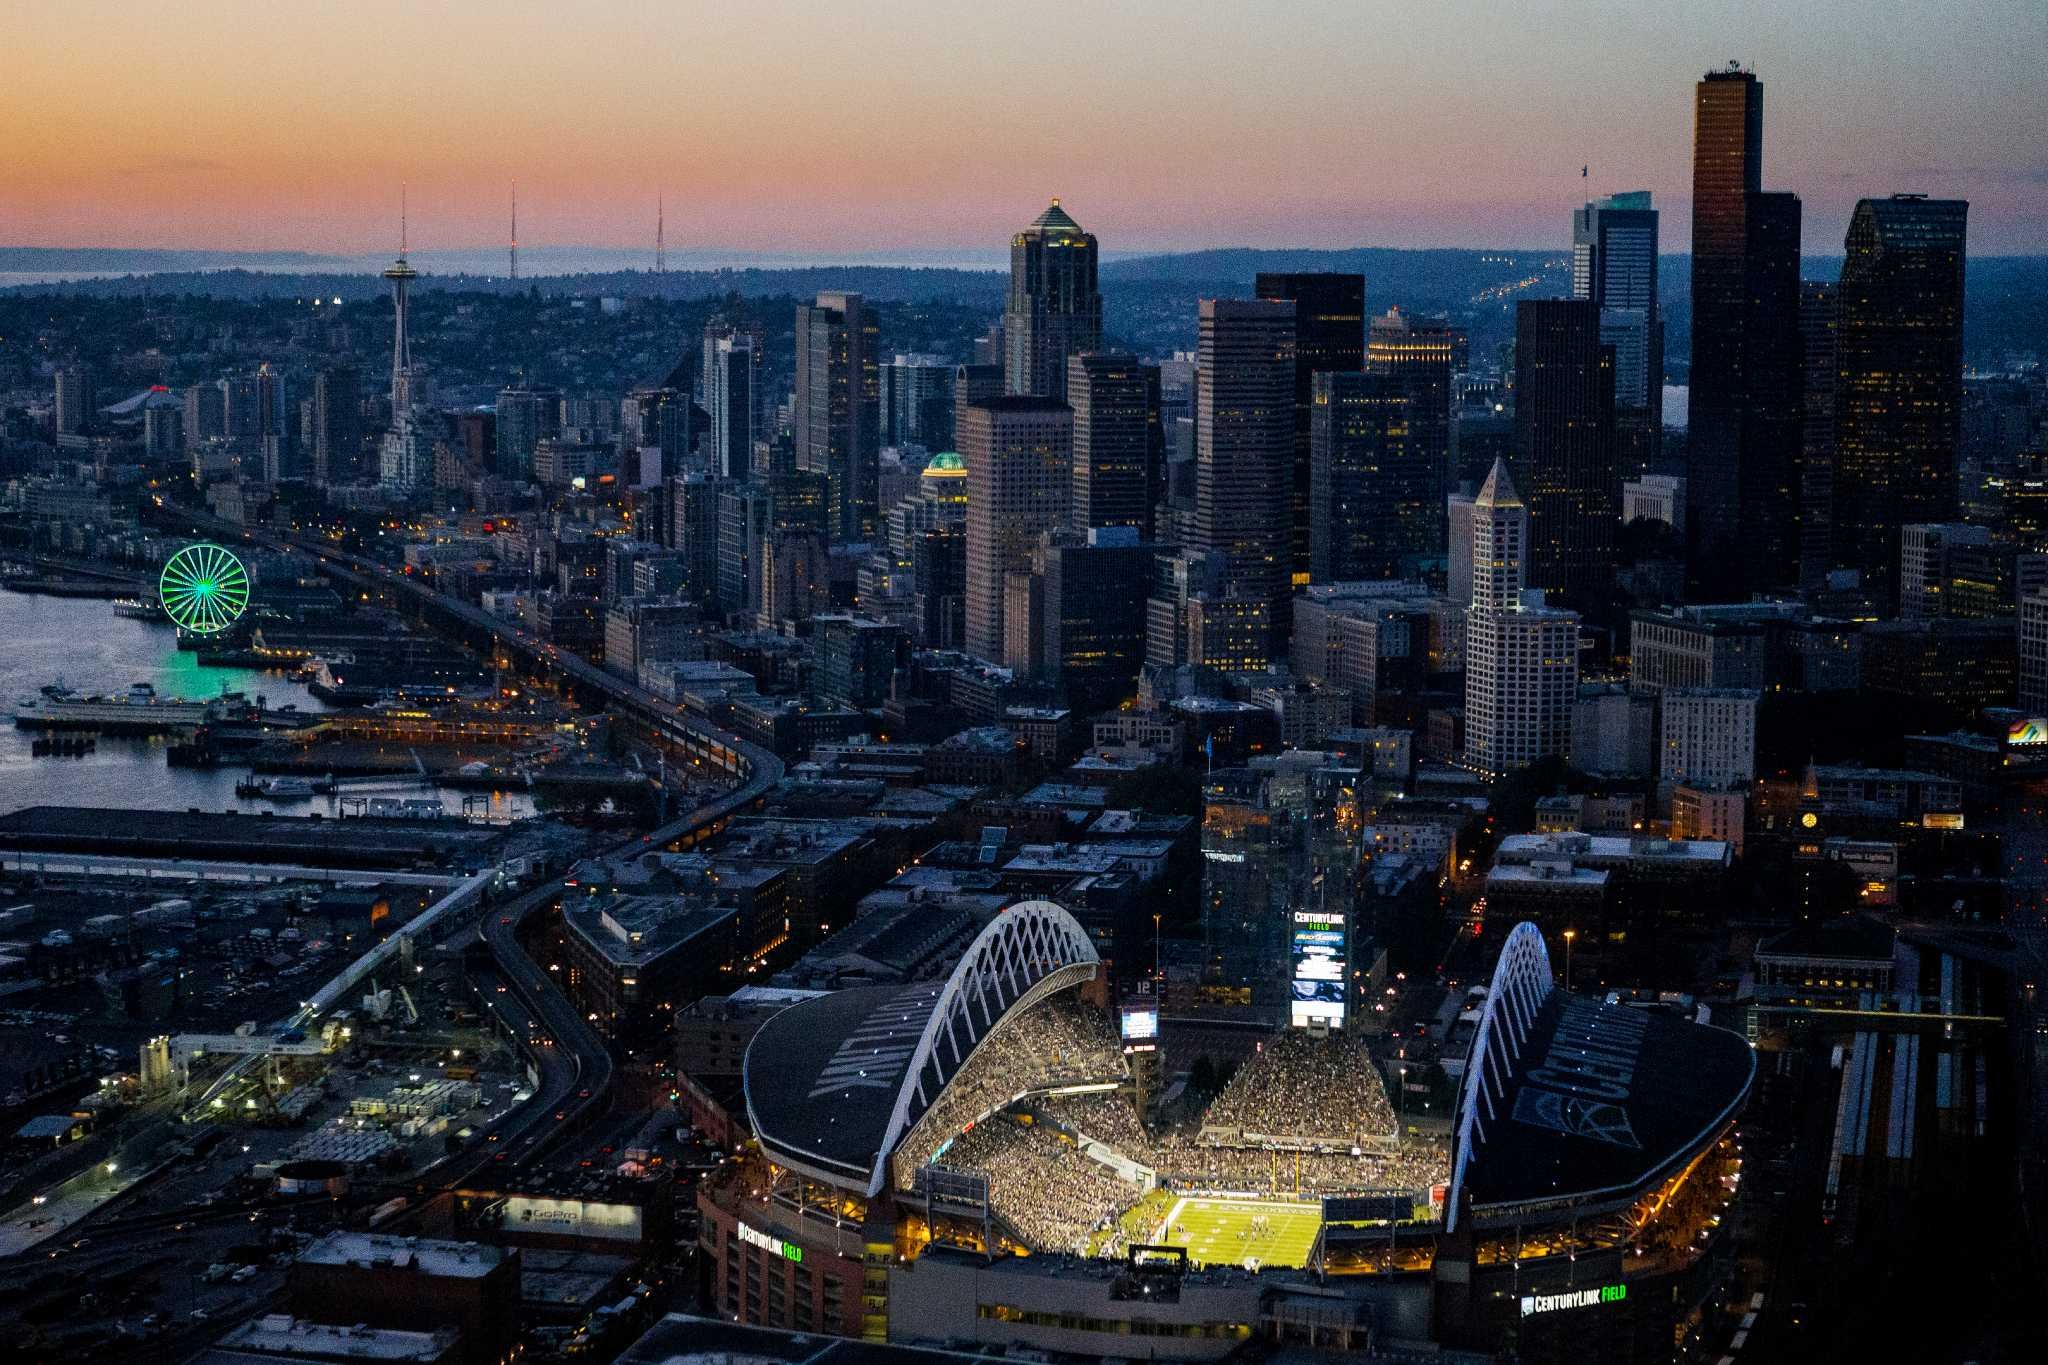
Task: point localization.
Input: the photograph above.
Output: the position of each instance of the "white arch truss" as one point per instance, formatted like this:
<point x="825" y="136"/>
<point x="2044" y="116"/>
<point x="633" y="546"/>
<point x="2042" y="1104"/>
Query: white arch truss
<point x="1030" y="951"/>
<point x="1522" y="982"/>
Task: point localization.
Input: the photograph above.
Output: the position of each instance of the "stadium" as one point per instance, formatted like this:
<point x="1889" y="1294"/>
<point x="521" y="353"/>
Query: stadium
<point x="966" y="1160"/>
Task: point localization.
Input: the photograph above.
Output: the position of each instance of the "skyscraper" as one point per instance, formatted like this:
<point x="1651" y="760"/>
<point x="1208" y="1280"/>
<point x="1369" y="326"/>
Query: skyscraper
<point x="1096" y="585"/>
<point x="1521" y="656"/>
<point x="527" y="415"/>
<point x="836" y="414"/>
<point x="1744" y="423"/>
<point x="1281" y="846"/>
<point x="742" y="530"/>
<point x="748" y="330"/>
<point x="917" y="402"/>
<point x="1899" y="377"/>
<point x="1329" y="337"/>
<point x="1817" y="434"/>
<point x="1500" y="541"/>
<point x="972" y="384"/>
<point x="1458" y="571"/>
<point x="1727" y="167"/>
<point x="1418" y="352"/>
<point x="1564" y="441"/>
<point x="692" y="527"/>
<point x="73" y="412"/>
<point x="205" y="414"/>
<point x="1374" y="498"/>
<point x="655" y="416"/>
<point x="729" y="372"/>
<point x="241" y="410"/>
<point x="1244" y="445"/>
<point x="280" y="455"/>
<point x="1018" y="450"/>
<point x="1772" y="420"/>
<point x="1054" y="309"/>
<point x="1116" y="440"/>
<point x="1614" y="263"/>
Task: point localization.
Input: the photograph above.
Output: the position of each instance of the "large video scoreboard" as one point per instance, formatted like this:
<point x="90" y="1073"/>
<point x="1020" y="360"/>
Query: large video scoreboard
<point x="1321" y="969"/>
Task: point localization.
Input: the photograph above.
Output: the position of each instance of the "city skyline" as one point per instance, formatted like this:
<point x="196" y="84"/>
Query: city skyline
<point x="1163" y="129"/>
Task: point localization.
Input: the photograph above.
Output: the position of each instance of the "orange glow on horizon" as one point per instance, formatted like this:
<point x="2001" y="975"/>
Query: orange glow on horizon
<point x="808" y="127"/>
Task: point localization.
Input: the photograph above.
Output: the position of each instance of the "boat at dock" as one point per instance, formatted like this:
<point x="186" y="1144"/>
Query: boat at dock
<point x="141" y="712"/>
<point x="284" y="788"/>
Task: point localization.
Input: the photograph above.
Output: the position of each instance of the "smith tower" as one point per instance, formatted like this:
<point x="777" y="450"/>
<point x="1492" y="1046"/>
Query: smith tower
<point x="1054" y="310"/>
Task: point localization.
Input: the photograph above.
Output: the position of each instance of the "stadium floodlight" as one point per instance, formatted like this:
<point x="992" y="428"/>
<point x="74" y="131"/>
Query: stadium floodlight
<point x="204" y="588"/>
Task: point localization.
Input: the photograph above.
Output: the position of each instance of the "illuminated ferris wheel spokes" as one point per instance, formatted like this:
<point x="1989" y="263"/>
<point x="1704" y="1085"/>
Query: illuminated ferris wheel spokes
<point x="204" y="588"/>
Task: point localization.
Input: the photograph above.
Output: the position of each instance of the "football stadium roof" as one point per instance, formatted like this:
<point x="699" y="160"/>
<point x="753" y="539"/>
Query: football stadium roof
<point x="833" y="1084"/>
<point x="1572" y="1101"/>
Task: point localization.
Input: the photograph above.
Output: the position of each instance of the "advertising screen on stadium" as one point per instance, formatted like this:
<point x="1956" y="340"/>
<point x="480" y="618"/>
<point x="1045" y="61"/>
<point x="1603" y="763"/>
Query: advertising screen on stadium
<point x="1140" y="1024"/>
<point x="1321" y="969"/>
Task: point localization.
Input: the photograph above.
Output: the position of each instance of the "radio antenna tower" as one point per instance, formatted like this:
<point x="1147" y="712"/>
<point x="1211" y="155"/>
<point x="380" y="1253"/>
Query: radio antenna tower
<point x="660" y="225"/>
<point x="515" y="229"/>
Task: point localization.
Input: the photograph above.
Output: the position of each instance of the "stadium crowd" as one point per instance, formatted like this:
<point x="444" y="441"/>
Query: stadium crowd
<point x="1059" y="1042"/>
<point x="1324" y="1094"/>
<point x="1040" y="1185"/>
<point x="1301" y="1088"/>
<point x="1416" y="1164"/>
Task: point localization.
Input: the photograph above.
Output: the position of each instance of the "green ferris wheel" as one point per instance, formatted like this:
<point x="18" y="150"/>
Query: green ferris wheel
<point x="204" y="588"/>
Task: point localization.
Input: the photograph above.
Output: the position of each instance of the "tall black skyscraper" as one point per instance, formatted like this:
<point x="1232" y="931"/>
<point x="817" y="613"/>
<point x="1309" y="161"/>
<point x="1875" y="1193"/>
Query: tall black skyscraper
<point x="337" y="426"/>
<point x="1899" y="377"/>
<point x="1376" y="496"/>
<point x="1614" y="263"/>
<point x="1244" y="443"/>
<point x="1054" y="309"/>
<point x="1772" y="419"/>
<point x="1817" y="434"/>
<point x="1743" y="432"/>
<point x="1419" y="352"/>
<point x="1564" y="439"/>
<point x="1329" y="336"/>
<point x="837" y="408"/>
<point x="1117" y="455"/>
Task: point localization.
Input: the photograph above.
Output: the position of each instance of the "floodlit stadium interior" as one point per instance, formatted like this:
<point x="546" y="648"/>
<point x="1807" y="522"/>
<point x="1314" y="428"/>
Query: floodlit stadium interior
<point x="1037" y="1165"/>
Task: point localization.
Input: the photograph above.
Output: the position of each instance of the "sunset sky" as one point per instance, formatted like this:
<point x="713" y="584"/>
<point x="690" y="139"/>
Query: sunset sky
<point x="904" y="124"/>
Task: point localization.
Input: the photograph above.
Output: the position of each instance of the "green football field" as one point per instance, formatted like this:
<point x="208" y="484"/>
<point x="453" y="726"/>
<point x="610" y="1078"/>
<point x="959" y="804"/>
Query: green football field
<point x="1221" y="1231"/>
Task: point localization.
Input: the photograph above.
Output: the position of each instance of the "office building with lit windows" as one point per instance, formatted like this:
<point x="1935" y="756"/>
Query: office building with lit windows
<point x="1118" y="456"/>
<point x="1054" y="310"/>
<point x="836" y="413"/>
<point x="1329" y="338"/>
<point x="1018" y="450"/>
<point x="1899" y="378"/>
<point x="1244" y="444"/>
<point x="1521" y="656"/>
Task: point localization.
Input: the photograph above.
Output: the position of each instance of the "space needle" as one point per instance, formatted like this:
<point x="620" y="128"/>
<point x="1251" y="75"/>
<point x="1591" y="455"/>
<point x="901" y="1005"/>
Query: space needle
<point x="401" y="465"/>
